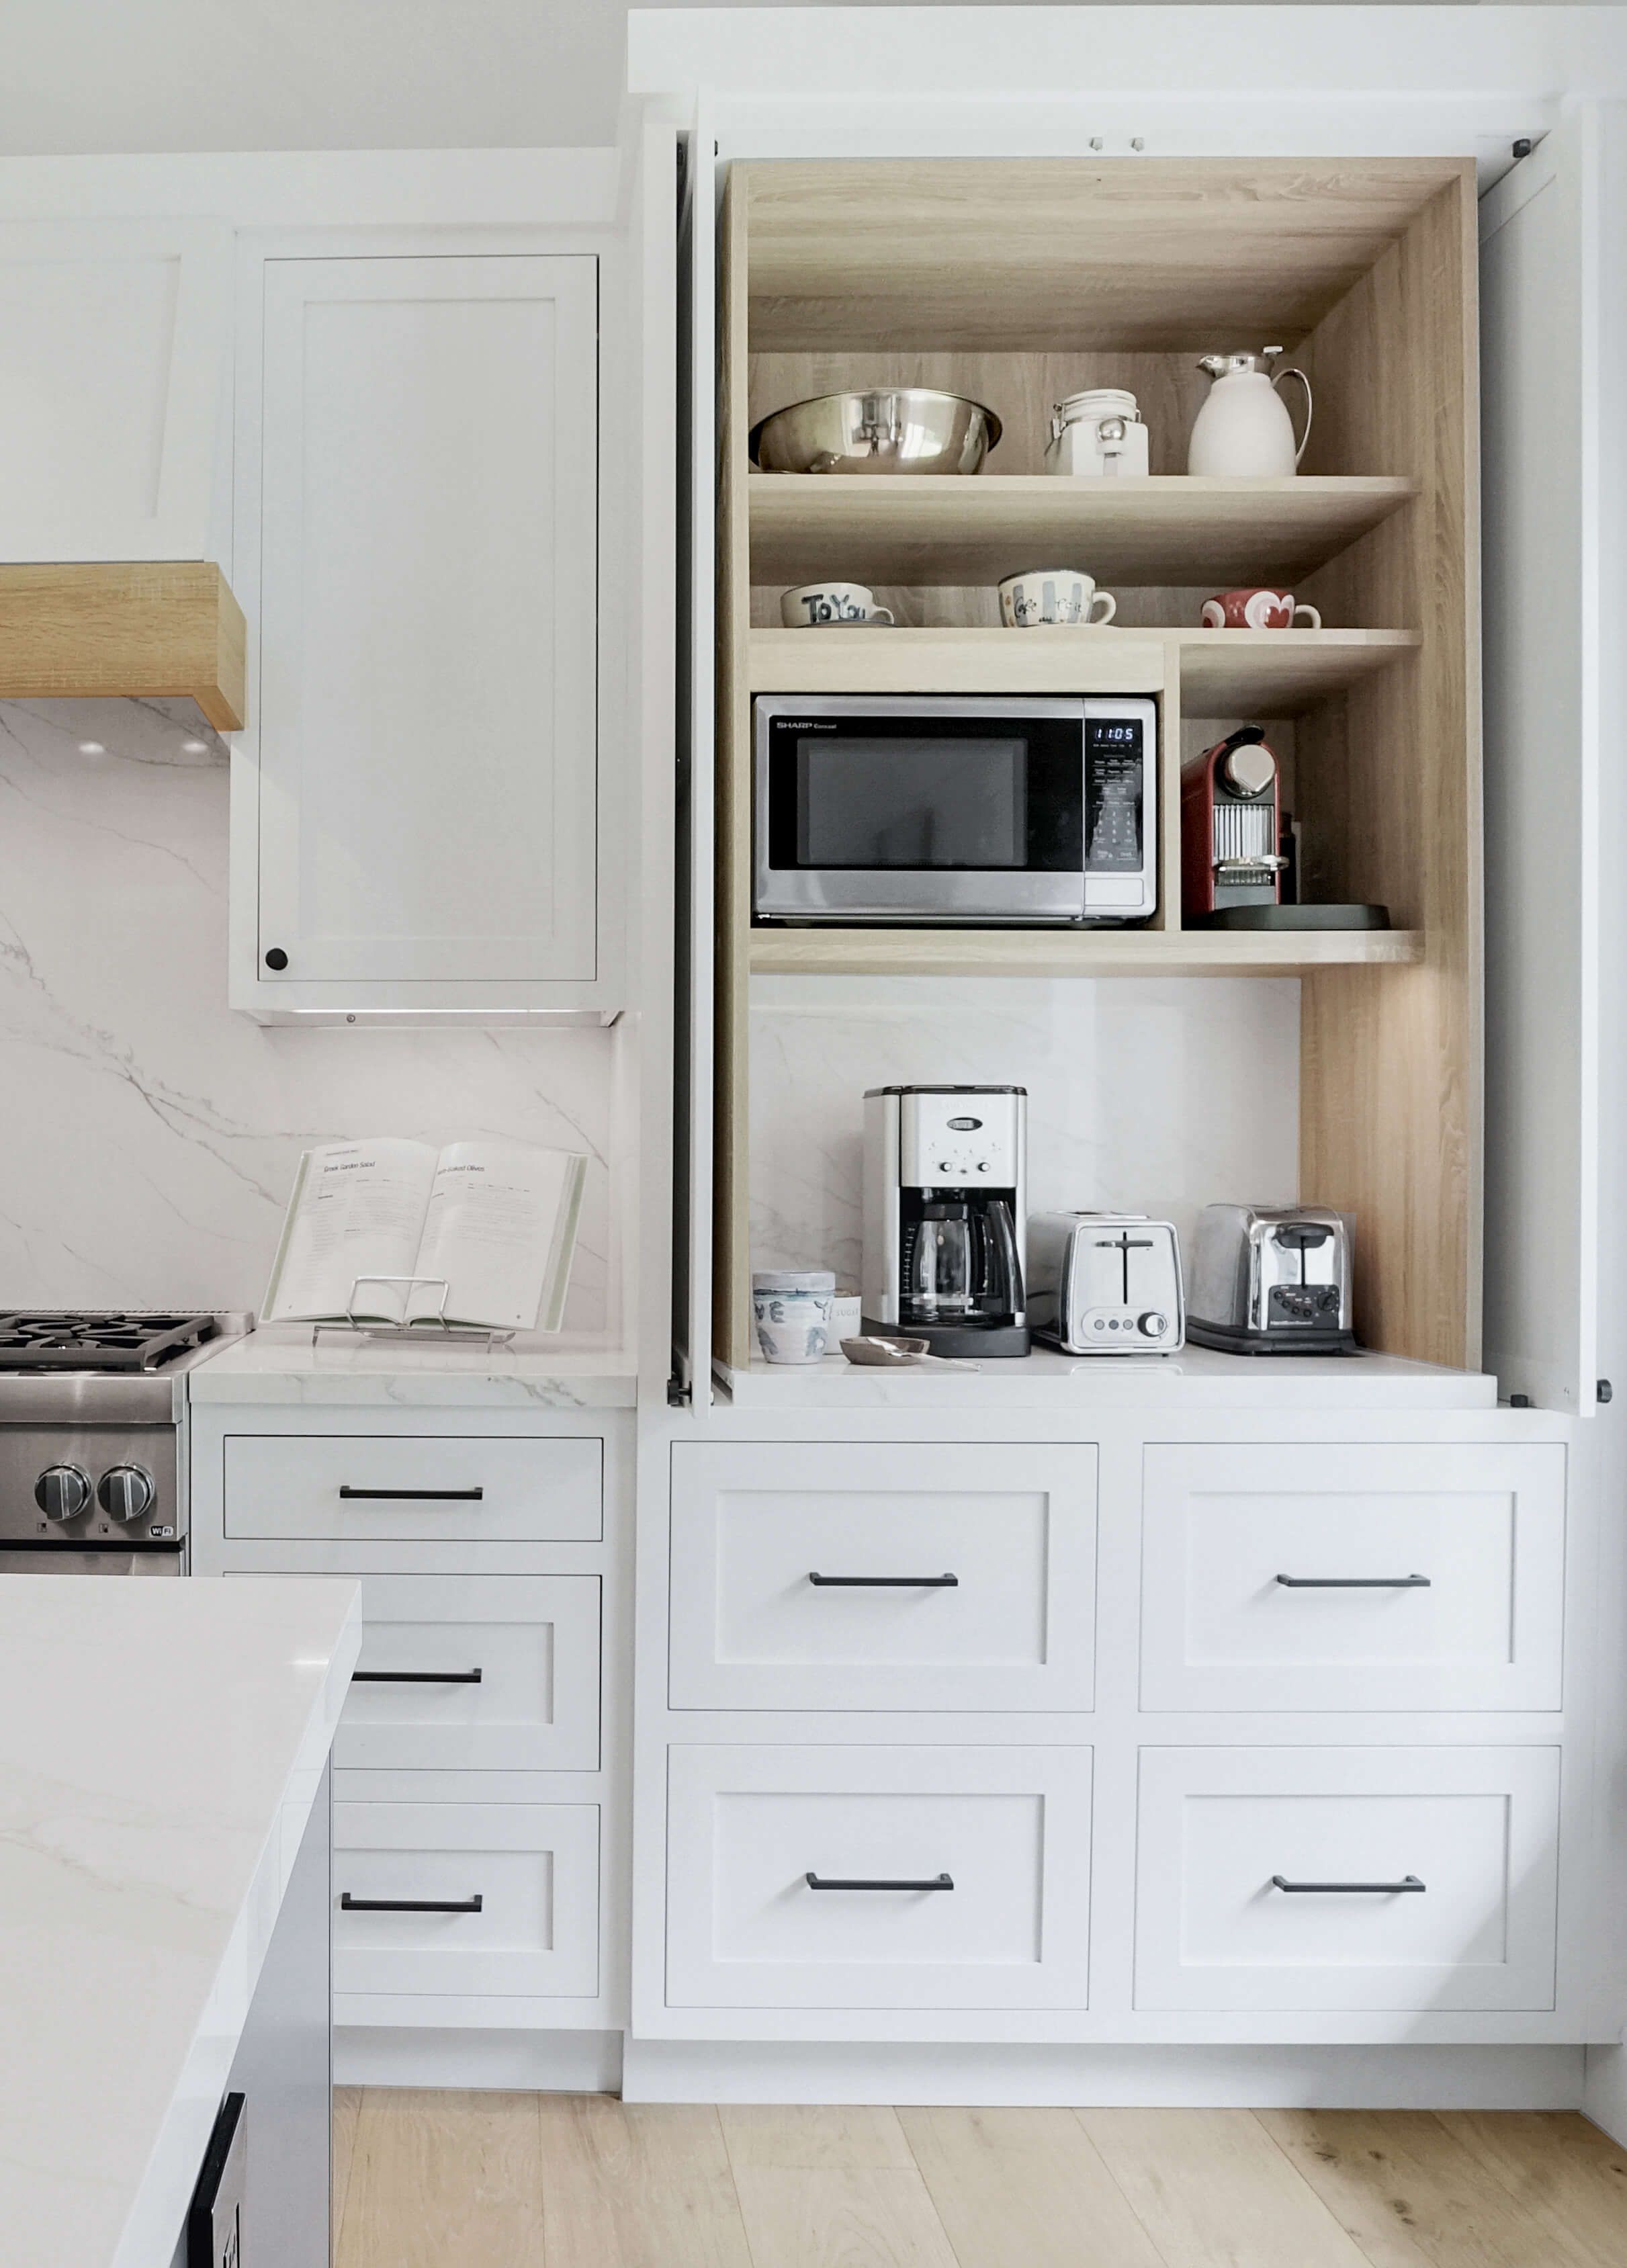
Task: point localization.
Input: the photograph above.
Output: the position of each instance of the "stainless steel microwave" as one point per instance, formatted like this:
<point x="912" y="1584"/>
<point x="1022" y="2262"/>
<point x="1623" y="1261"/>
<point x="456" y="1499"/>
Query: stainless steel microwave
<point x="974" y="809"/>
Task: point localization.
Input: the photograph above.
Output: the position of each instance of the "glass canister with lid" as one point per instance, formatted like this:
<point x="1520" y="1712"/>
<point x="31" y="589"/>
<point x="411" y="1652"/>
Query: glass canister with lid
<point x="1098" y="433"/>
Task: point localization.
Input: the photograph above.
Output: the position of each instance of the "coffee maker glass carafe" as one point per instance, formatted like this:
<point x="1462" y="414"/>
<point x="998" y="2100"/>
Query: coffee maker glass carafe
<point x="963" y="1265"/>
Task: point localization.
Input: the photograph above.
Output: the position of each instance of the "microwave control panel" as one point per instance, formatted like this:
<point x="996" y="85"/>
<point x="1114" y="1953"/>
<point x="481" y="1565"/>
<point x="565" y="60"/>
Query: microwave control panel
<point x="1120" y="817"/>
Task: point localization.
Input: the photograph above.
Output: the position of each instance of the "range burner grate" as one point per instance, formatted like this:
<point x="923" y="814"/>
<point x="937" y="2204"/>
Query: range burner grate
<point x="111" y="1339"/>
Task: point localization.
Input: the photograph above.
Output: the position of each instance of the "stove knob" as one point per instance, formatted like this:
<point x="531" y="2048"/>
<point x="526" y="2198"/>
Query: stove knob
<point x="126" y="1492"/>
<point x="63" y="1491"/>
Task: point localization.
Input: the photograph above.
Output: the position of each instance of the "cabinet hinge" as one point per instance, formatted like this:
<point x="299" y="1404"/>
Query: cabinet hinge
<point x="679" y="1397"/>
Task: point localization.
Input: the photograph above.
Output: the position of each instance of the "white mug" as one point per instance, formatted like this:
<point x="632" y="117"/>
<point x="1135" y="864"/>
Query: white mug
<point x="1043" y="595"/>
<point x="816" y="603"/>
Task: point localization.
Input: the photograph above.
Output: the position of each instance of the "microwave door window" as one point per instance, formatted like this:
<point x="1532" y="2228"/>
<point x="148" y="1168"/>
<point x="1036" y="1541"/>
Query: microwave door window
<point x="912" y="803"/>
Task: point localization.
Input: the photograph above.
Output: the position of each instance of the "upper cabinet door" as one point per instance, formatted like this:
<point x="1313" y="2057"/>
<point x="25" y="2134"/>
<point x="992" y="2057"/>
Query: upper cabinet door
<point x="113" y="368"/>
<point x="427" y="758"/>
<point x="1551" y="304"/>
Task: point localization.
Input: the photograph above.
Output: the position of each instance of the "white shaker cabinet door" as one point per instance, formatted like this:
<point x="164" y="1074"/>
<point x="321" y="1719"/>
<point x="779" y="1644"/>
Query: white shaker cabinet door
<point x="427" y="768"/>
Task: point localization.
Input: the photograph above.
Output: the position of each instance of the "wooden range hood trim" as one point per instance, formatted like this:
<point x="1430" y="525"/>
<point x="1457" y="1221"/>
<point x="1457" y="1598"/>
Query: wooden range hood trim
<point x="141" y="630"/>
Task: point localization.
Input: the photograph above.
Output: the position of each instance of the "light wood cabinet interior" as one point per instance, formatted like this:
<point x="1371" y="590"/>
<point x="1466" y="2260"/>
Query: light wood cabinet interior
<point x="1018" y="282"/>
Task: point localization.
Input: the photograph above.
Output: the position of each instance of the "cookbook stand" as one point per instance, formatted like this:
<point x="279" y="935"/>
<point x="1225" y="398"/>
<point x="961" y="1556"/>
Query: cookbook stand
<point x="431" y="1328"/>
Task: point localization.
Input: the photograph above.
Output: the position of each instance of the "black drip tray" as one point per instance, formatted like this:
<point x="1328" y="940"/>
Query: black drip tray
<point x="1298" y="918"/>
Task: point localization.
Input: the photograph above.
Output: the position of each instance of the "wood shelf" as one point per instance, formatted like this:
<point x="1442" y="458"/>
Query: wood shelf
<point x="1168" y="528"/>
<point x="1072" y="953"/>
<point x="144" y="632"/>
<point x="1222" y="673"/>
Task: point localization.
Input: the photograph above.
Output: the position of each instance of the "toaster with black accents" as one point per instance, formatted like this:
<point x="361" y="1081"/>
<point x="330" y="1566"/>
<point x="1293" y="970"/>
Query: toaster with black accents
<point x="1105" y="1283"/>
<point x="1273" y="1279"/>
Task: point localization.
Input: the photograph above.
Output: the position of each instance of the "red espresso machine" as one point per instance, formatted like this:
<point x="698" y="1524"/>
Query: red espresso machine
<point x="1230" y="854"/>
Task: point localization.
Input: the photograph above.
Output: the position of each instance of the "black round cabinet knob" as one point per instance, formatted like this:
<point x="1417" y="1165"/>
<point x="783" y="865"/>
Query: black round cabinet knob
<point x="277" y="958"/>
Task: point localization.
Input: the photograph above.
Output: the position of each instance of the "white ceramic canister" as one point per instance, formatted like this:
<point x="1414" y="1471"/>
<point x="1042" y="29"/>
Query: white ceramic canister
<point x="791" y="1307"/>
<point x="1097" y="434"/>
<point x="1243" y="431"/>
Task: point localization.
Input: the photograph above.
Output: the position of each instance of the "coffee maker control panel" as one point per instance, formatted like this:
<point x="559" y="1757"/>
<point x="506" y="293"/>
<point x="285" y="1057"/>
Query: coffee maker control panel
<point x="956" y="1140"/>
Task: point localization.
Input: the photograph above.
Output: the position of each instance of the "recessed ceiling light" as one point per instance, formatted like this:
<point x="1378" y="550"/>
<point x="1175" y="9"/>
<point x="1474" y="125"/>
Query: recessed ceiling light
<point x="91" y="748"/>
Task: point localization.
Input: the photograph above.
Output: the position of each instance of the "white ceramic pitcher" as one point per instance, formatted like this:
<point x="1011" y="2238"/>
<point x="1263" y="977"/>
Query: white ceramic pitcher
<point x="1243" y="431"/>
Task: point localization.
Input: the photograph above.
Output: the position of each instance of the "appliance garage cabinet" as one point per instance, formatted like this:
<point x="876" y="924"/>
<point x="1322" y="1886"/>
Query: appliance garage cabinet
<point x="479" y="1772"/>
<point x="1193" y="1701"/>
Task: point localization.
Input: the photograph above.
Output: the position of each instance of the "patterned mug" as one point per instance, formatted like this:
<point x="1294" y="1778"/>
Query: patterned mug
<point x="1054" y="595"/>
<point x="1257" y="609"/>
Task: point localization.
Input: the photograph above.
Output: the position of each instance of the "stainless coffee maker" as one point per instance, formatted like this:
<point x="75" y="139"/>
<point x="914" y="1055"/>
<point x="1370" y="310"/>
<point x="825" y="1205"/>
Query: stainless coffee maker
<point x="946" y="1199"/>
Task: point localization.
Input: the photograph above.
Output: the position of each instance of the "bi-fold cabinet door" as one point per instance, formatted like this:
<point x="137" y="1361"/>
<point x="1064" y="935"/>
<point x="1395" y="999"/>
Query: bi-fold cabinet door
<point x="420" y="452"/>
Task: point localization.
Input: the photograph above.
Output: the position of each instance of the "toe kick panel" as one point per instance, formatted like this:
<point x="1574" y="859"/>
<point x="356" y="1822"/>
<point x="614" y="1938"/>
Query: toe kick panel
<point x="1347" y="1879"/>
<point x="878" y="1877"/>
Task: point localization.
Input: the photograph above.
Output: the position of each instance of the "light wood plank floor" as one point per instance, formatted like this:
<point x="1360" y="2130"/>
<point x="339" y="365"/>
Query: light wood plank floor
<point x="426" y="2180"/>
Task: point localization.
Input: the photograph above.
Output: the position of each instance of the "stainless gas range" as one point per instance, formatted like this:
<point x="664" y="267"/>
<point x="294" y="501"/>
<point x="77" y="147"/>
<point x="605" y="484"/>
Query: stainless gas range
<point x="91" y="1406"/>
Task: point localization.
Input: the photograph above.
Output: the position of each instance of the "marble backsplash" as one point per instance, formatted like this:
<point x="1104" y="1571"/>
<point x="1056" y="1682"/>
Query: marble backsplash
<point x="1146" y="1094"/>
<point x="148" y="1135"/>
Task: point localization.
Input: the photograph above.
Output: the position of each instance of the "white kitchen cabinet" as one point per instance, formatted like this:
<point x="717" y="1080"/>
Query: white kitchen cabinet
<point x="408" y="1489"/>
<point x="1345" y="1879"/>
<point x="418" y="806"/>
<point x="113" y="339"/>
<point x="883" y="1576"/>
<point x="1429" y="1576"/>
<point x="467" y="1899"/>
<point x="878" y="1877"/>
<point x="475" y="1672"/>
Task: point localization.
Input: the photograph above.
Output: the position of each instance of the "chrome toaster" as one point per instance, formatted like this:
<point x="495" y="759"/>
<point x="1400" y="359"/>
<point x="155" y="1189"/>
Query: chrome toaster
<point x="1273" y="1279"/>
<point x="1105" y="1283"/>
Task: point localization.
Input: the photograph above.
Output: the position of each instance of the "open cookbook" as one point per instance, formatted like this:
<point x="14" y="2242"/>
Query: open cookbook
<point x="489" y="1227"/>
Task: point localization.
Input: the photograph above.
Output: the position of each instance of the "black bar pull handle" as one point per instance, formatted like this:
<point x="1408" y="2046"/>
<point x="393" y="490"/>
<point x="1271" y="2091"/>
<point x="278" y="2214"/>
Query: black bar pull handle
<point x="886" y="1582"/>
<point x="416" y="1677"/>
<point x="411" y="1905"/>
<point x="936" y="1883"/>
<point x="411" y="1496"/>
<point x="1370" y="1889"/>
<point x="1354" y="1582"/>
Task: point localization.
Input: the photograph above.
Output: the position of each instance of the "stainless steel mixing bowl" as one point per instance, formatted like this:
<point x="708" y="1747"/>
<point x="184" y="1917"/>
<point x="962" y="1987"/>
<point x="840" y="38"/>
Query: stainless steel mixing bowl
<point x="895" y="428"/>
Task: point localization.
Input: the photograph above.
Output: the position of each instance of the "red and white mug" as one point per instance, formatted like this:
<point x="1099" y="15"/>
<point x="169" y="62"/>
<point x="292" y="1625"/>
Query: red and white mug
<point x="1257" y="609"/>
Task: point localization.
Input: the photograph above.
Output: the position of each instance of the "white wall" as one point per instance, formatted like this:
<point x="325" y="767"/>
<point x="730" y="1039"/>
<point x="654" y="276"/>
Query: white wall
<point x="147" y="1135"/>
<point x="1145" y="1095"/>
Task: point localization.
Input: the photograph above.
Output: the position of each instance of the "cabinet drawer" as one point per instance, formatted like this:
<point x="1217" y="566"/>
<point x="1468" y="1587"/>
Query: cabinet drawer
<point x="1007" y="1829"/>
<point x="471" y="1488"/>
<point x="1353" y="1530"/>
<point x="754" y="1524"/>
<point x="417" y="1704"/>
<point x="1476" y="1828"/>
<point x="533" y="1868"/>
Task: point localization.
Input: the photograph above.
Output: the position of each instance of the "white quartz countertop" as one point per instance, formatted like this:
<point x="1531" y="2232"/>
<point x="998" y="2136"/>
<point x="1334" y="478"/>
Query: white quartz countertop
<point x="1194" y="1379"/>
<point x="283" y="1365"/>
<point x="161" y="1745"/>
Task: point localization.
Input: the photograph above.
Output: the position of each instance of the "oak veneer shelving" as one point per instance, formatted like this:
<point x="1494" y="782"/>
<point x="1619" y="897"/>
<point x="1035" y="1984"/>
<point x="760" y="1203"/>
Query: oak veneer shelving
<point x="957" y="274"/>
<point x="1221" y="673"/>
<point x="142" y="631"/>
<point x="1168" y="528"/>
<point x="785" y="952"/>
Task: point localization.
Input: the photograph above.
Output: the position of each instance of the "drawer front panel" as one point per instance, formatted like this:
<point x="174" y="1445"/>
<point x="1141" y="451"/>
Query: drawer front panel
<point x="985" y="1854"/>
<point x="1354" y="1529"/>
<point x="883" y="1526"/>
<point x="533" y="1866"/>
<point x="407" y="1488"/>
<point x="1476" y="1828"/>
<point x="415" y="1704"/>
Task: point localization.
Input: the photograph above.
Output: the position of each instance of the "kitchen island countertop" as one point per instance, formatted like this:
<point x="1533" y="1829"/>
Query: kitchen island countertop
<point x="161" y="1746"/>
